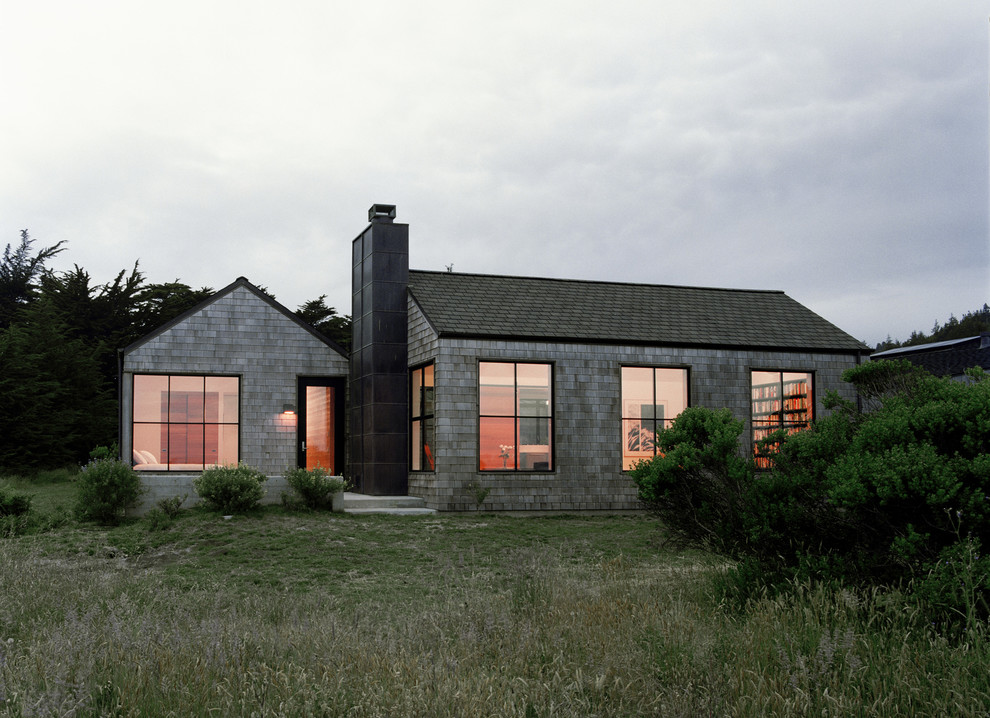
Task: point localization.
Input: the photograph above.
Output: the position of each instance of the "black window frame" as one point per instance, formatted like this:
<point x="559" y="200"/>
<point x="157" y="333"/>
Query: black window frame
<point x="786" y="408"/>
<point x="168" y="422"/>
<point x="516" y="416"/>
<point x="665" y="420"/>
<point x="427" y="457"/>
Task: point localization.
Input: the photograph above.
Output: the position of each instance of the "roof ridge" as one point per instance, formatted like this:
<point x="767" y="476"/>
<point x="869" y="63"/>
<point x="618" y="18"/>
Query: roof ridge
<point x="240" y="282"/>
<point x="564" y="280"/>
<point x="928" y="346"/>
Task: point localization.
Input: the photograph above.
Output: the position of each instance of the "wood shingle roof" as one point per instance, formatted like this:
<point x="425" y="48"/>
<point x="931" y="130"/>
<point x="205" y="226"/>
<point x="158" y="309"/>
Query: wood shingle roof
<point x="518" y="308"/>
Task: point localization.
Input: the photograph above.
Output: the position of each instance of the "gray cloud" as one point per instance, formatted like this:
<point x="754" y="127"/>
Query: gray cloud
<point x="835" y="151"/>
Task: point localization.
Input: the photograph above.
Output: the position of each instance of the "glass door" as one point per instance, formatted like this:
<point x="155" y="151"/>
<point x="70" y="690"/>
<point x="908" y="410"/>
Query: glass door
<point x="321" y="424"/>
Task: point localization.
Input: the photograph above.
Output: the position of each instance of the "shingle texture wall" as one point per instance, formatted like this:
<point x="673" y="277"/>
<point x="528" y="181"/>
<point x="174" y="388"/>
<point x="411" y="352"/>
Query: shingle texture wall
<point x="240" y="332"/>
<point x="588" y="473"/>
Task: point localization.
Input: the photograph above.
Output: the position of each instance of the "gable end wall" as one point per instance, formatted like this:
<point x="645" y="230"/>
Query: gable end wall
<point x="240" y="334"/>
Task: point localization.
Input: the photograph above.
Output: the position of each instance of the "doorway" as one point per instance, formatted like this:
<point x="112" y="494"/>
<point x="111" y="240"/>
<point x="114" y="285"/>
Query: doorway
<point x="321" y="424"/>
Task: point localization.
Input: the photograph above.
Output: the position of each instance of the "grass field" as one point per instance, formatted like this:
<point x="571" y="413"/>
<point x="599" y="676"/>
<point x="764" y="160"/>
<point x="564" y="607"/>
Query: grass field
<point x="278" y="613"/>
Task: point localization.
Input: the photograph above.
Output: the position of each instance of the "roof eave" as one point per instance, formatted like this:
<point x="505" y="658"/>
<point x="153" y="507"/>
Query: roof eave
<point x="860" y="349"/>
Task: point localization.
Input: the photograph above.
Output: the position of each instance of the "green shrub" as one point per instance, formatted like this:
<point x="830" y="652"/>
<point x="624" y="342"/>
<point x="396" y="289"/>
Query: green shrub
<point x="231" y="489"/>
<point x="896" y="493"/>
<point x="106" y="488"/>
<point x="34" y="522"/>
<point x="14" y="525"/>
<point x="171" y="506"/>
<point x="698" y="484"/>
<point x="316" y="486"/>
<point x="105" y="452"/>
<point x="158" y="520"/>
<point x="14" y="503"/>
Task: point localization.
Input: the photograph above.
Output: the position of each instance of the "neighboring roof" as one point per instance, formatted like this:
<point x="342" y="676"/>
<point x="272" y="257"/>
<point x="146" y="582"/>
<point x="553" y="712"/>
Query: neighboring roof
<point x="239" y="282"/>
<point x="490" y="306"/>
<point x="949" y="358"/>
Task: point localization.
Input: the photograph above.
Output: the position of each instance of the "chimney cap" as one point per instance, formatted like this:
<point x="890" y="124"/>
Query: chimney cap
<point x="381" y="213"/>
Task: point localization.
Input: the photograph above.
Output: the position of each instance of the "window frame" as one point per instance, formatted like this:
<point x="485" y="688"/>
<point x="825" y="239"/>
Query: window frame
<point x="516" y="416"/>
<point x="427" y="458"/>
<point x="623" y="418"/>
<point x="169" y="419"/>
<point x="766" y="409"/>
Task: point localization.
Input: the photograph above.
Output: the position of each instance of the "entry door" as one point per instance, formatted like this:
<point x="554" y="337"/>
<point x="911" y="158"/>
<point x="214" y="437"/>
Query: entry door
<point x="321" y="423"/>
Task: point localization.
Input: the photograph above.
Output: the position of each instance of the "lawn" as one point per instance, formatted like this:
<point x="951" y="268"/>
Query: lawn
<point x="279" y="613"/>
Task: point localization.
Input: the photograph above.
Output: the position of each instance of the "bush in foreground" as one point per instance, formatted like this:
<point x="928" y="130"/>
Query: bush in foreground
<point x="13" y="503"/>
<point x="231" y="489"/>
<point x="106" y="488"/>
<point x="316" y="486"/>
<point x="897" y="493"/>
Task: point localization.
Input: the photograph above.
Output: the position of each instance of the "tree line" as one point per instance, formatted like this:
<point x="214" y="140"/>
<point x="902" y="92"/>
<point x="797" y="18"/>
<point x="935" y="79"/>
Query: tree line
<point x="59" y="337"/>
<point x="970" y="325"/>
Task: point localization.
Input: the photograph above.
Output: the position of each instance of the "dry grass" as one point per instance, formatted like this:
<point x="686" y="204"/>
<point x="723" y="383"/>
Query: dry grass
<point x="489" y="616"/>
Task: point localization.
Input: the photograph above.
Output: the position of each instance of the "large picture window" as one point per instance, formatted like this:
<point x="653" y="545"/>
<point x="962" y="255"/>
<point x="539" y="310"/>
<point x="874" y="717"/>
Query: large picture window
<point x="781" y="400"/>
<point x="651" y="398"/>
<point x="515" y="424"/>
<point x="422" y="426"/>
<point x="184" y="423"/>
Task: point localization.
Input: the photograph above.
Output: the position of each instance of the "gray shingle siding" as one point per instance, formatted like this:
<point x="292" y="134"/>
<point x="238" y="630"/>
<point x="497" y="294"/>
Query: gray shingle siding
<point x="588" y="331"/>
<point x="239" y="332"/>
<point x="588" y="473"/>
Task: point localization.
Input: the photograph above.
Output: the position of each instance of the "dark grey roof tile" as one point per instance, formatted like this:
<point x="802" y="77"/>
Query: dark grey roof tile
<point x="574" y="310"/>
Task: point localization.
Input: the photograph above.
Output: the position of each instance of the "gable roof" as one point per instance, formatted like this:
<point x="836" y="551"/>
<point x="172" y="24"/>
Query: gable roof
<point x="948" y="358"/>
<point x="528" y="308"/>
<point x="239" y="282"/>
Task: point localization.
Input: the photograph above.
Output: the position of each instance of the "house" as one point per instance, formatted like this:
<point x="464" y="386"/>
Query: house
<point x="947" y="358"/>
<point x="237" y="378"/>
<point x="540" y="392"/>
<point x="543" y="391"/>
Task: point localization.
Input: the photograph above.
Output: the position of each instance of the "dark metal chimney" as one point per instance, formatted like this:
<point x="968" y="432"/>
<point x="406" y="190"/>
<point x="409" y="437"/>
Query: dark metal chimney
<point x="379" y="367"/>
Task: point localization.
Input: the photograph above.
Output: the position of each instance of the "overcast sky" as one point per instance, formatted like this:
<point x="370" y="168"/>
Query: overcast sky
<point x="835" y="150"/>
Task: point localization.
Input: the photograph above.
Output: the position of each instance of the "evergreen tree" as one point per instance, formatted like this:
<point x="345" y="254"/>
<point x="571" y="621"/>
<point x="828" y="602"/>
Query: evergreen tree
<point x="971" y="325"/>
<point x="54" y="402"/>
<point x="325" y="320"/>
<point x="19" y="274"/>
<point x="59" y="338"/>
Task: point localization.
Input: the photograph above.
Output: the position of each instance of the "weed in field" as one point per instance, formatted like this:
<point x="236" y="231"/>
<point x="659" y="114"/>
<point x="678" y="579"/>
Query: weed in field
<point x="172" y="506"/>
<point x="442" y="616"/>
<point x="478" y="492"/>
<point x="813" y="673"/>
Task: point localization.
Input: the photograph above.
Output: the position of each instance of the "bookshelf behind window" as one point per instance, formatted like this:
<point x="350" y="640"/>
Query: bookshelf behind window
<point x="782" y="404"/>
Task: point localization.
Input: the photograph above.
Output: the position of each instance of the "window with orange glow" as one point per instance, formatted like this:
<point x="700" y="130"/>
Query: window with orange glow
<point x="515" y="423"/>
<point x="183" y="423"/>
<point x="421" y="421"/>
<point x="651" y="398"/>
<point x="780" y="400"/>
